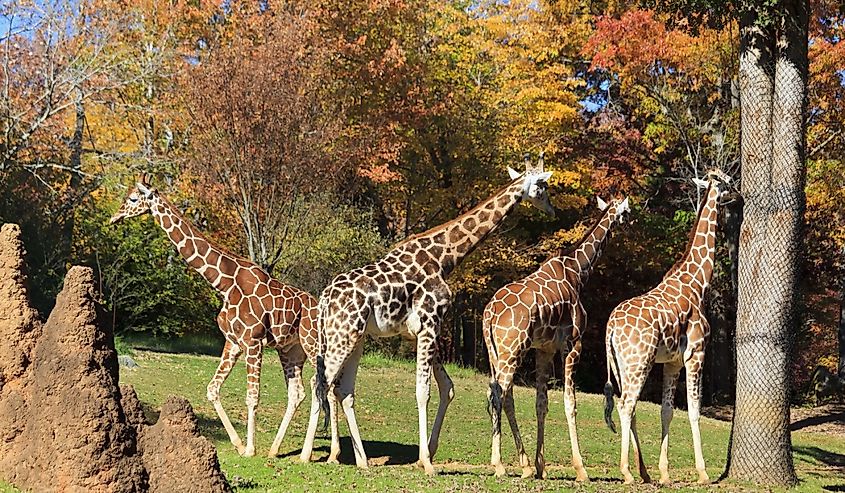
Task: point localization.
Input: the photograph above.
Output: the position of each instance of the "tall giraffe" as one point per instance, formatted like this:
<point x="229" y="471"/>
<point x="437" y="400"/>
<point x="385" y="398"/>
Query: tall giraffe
<point x="544" y="311"/>
<point x="406" y="294"/>
<point x="257" y="311"/>
<point x="666" y="325"/>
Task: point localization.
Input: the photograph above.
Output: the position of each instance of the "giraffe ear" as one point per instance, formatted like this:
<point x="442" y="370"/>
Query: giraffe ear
<point x="602" y="204"/>
<point x="514" y="174"/>
<point x="143" y="189"/>
<point x="624" y="205"/>
<point x="701" y="183"/>
<point x="544" y="176"/>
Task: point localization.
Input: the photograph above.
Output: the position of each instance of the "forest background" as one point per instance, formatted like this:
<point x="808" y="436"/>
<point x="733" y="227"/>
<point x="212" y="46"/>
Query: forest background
<point x="310" y="136"/>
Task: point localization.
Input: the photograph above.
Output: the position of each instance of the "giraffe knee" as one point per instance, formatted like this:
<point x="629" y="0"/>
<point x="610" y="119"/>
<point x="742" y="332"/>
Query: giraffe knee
<point x="348" y="402"/>
<point x="212" y="392"/>
<point x="251" y="399"/>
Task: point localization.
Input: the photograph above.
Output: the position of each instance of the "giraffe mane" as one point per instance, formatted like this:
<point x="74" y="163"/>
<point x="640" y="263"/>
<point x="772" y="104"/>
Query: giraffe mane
<point x="176" y="212"/>
<point x="568" y="250"/>
<point x="445" y="225"/>
<point x="691" y="236"/>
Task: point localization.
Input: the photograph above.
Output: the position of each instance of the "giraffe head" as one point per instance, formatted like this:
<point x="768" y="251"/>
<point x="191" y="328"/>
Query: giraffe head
<point x="718" y="180"/>
<point x="619" y="209"/>
<point x="138" y="201"/>
<point x="535" y="184"/>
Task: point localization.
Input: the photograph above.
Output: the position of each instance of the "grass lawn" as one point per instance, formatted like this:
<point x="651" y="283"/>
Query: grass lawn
<point x="386" y="410"/>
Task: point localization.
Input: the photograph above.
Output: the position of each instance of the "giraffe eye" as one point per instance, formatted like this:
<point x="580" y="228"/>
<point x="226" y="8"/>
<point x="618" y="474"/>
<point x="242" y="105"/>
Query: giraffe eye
<point x="133" y="198"/>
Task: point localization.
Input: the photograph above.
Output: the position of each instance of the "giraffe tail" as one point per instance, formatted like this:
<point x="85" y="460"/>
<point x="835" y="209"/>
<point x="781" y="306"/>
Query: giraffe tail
<point x="494" y="405"/>
<point x="608" y="387"/>
<point x="322" y="390"/>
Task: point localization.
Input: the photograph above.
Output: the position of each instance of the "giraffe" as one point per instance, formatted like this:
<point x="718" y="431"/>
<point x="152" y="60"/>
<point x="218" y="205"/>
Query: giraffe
<point x="406" y="294"/>
<point x="257" y="311"/>
<point x="543" y="311"/>
<point x="666" y="325"/>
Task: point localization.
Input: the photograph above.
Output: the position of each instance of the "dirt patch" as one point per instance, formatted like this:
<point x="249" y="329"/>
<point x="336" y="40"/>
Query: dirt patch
<point x="828" y="419"/>
<point x="65" y="424"/>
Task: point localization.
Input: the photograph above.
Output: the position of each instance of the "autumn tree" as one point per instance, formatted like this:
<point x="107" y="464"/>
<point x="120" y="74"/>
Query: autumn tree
<point x="266" y="142"/>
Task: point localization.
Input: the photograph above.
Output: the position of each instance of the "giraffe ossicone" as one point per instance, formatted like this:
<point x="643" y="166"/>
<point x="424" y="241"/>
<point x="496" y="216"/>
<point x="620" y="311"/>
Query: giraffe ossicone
<point x="405" y="293"/>
<point x="543" y="311"/>
<point x="257" y="311"/>
<point x="666" y="325"/>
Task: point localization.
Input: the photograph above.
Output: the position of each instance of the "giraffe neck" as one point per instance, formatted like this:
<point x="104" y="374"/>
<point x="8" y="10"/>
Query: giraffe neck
<point x="211" y="262"/>
<point x="583" y="254"/>
<point x="450" y="243"/>
<point x="698" y="261"/>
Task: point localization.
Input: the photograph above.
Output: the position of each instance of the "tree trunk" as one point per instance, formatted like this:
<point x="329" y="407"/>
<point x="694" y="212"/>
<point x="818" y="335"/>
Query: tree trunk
<point x="773" y="99"/>
<point x="842" y="328"/>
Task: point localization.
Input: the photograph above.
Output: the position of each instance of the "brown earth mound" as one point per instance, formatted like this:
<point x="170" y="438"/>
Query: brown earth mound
<point x="65" y="425"/>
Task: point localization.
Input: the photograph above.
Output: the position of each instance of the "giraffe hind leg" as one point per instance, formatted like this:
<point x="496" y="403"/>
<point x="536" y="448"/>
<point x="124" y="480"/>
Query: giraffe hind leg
<point x="292" y="360"/>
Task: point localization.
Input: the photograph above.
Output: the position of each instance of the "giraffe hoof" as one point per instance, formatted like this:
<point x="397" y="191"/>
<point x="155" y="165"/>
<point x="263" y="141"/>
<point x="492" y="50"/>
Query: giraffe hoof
<point x="665" y="481"/>
<point x="332" y="460"/>
<point x="703" y="478"/>
<point x="240" y="448"/>
<point x="527" y="472"/>
<point x="581" y="477"/>
<point x="429" y="470"/>
<point x="249" y="452"/>
<point x="500" y="470"/>
<point x="646" y="478"/>
<point x="629" y="479"/>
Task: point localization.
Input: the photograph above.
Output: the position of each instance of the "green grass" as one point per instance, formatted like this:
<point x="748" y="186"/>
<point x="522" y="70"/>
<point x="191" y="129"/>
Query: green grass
<point x="386" y="410"/>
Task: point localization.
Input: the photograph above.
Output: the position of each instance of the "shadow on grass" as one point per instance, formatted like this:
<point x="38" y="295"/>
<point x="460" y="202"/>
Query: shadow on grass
<point x="386" y="453"/>
<point x="832" y="459"/>
<point x="818" y="420"/>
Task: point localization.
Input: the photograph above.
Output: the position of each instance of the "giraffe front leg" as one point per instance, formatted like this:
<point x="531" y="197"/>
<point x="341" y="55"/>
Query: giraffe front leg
<point x="638" y="452"/>
<point x="292" y="361"/>
<point x="694" y="366"/>
<point x="334" y="398"/>
<point x="671" y="371"/>
<point x="253" y="380"/>
<point x="425" y="361"/>
<point x="447" y="392"/>
<point x="510" y="411"/>
<point x="227" y="361"/>
<point x="544" y="361"/>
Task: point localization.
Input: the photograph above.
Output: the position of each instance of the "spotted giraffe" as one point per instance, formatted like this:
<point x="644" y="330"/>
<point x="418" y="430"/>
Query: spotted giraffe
<point x="543" y="311"/>
<point x="666" y="325"/>
<point x="257" y="311"/>
<point x="406" y="294"/>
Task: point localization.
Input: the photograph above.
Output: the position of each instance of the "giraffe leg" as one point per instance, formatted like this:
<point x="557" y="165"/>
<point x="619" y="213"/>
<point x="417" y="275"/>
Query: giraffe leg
<point x="253" y="380"/>
<point x="313" y="417"/>
<point x="544" y="361"/>
<point x="447" y="392"/>
<point x="347" y="400"/>
<point x="694" y="366"/>
<point x="292" y="361"/>
<point x="638" y="452"/>
<point x="510" y="411"/>
<point x="671" y="371"/>
<point x="425" y="360"/>
<point x="227" y="361"/>
<point x="569" y="402"/>
<point x="334" y="398"/>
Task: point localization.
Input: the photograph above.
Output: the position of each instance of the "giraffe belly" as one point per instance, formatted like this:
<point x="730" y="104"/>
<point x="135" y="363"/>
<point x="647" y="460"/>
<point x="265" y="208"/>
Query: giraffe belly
<point x="666" y="355"/>
<point x="384" y="328"/>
